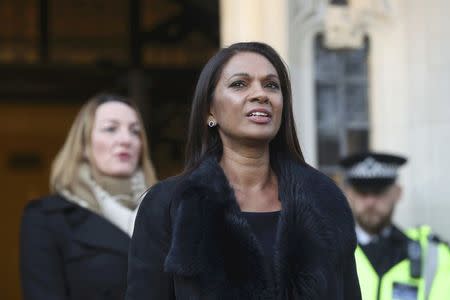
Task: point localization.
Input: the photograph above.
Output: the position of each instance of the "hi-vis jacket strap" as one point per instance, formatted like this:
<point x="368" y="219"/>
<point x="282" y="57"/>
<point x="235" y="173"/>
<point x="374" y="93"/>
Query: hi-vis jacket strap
<point x="415" y="258"/>
<point x="431" y="265"/>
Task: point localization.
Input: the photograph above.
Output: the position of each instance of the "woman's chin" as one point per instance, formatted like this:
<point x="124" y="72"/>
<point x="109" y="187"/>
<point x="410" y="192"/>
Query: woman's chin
<point x="121" y="173"/>
<point x="258" y="139"/>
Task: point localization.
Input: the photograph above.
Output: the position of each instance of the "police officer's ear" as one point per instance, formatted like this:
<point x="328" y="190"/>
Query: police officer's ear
<point x="397" y="192"/>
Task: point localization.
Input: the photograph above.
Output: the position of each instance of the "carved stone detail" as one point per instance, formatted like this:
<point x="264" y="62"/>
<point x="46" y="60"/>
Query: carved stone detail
<point x="346" y="26"/>
<point x="307" y="13"/>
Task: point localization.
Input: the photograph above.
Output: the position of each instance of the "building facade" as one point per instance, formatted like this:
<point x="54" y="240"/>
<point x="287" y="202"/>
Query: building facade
<point x="405" y="45"/>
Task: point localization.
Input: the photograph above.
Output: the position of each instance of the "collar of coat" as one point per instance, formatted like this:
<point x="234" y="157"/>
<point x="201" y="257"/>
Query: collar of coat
<point x="86" y="227"/>
<point x="213" y="243"/>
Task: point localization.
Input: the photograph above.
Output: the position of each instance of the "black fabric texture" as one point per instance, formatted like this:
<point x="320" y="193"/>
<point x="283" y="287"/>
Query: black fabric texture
<point x="191" y="241"/>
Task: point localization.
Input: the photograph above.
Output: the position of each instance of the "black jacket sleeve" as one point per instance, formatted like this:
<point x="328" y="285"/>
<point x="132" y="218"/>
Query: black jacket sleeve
<point x="41" y="265"/>
<point x="148" y="250"/>
<point x="336" y="209"/>
<point x="351" y="284"/>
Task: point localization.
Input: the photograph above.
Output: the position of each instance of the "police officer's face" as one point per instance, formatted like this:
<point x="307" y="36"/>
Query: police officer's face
<point x="373" y="211"/>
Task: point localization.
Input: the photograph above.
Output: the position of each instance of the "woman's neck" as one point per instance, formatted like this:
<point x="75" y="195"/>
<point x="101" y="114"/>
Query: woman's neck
<point x="246" y="168"/>
<point x="252" y="179"/>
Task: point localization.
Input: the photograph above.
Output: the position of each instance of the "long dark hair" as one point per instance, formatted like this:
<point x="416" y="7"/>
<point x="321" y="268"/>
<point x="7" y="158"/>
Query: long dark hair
<point x="203" y="140"/>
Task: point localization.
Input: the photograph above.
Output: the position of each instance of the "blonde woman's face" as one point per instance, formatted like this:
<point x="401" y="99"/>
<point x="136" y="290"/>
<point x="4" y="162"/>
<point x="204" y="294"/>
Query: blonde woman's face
<point x="115" y="139"/>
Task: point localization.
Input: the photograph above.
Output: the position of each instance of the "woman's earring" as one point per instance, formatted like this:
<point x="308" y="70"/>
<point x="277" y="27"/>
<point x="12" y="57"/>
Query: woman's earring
<point x="212" y="123"/>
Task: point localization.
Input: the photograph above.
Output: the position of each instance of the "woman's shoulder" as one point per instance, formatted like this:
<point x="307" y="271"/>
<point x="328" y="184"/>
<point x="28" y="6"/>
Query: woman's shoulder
<point x="313" y="180"/>
<point x="322" y="182"/>
<point x="45" y="215"/>
<point x="160" y="195"/>
<point x="324" y="192"/>
<point x="47" y="204"/>
<point x="46" y="211"/>
<point x="163" y="188"/>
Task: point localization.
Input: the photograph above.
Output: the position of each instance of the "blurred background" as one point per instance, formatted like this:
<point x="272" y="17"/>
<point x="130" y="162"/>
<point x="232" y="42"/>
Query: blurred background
<point x="366" y="74"/>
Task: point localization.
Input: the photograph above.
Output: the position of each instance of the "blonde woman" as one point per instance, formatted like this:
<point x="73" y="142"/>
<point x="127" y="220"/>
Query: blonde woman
<point x="74" y="242"/>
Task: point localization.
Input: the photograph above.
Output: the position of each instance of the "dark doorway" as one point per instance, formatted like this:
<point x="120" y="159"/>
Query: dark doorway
<point x="56" y="54"/>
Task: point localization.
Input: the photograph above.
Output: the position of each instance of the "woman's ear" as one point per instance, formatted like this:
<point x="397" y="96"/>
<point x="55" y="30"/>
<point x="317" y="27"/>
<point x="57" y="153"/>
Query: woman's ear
<point x="211" y="111"/>
<point x="211" y="121"/>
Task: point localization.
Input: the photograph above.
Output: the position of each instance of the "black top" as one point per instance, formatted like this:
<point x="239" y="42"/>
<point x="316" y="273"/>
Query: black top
<point x="264" y="226"/>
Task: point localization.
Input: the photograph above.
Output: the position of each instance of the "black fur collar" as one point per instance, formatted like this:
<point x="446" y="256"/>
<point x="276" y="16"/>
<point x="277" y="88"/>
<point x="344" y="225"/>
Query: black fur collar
<point x="213" y="243"/>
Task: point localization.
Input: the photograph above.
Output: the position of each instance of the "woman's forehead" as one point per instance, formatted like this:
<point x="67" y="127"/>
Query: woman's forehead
<point x="248" y="63"/>
<point x="115" y="110"/>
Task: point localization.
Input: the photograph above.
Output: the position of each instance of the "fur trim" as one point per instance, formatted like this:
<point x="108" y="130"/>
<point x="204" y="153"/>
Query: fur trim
<point x="212" y="241"/>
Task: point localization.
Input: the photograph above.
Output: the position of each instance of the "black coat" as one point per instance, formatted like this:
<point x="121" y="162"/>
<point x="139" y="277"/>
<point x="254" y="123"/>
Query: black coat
<point x="68" y="252"/>
<point x="192" y="242"/>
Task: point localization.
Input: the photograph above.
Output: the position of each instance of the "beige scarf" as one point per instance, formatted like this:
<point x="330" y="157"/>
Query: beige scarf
<point x="114" y="198"/>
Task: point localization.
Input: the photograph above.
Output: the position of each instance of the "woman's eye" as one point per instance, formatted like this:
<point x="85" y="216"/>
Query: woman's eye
<point x="109" y="129"/>
<point x="273" y="85"/>
<point x="135" y="131"/>
<point x="238" y="84"/>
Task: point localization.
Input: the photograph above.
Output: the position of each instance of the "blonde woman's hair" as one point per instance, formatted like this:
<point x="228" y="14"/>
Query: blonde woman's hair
<point x="73" y="152"/>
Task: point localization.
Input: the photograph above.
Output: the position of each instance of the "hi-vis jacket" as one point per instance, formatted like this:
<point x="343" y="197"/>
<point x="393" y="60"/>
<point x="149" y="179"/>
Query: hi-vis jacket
<point x="424" y="275"/>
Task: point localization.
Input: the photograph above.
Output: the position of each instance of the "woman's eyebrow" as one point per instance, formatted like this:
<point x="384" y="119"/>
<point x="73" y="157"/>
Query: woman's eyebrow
<point x="275" y="76"/>
<point x="243" y="74"/>
<point x="116" y="121"/>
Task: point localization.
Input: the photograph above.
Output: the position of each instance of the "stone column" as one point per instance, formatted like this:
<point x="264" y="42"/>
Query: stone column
<point x="255" y="20"/>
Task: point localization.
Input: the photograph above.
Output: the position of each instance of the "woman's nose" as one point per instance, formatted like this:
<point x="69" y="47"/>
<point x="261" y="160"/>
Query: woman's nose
<point x="258" y="94"/>
<point x="125" y="137"/>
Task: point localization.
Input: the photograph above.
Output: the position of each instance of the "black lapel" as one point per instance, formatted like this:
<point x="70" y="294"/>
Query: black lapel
<point x="89" y="228"/>
<point x="212" y="241"/>
<point x="304" y="249"/>
<point x="95" y="231"/>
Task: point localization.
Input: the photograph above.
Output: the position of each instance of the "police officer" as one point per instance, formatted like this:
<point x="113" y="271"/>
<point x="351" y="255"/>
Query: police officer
<point x="392" y="264"/>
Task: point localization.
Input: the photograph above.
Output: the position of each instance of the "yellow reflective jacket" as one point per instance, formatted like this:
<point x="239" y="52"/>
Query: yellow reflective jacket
<point x="433" y="284"/>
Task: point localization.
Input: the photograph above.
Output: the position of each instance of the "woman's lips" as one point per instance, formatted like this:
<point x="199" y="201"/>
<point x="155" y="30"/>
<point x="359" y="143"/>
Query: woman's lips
<point x="259" y="116"/>
<point x="260" y="119"/>
<point x="124" y="156"/>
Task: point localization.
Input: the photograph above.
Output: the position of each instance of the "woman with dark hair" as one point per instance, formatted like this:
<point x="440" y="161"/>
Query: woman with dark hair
<point x="248" y="218"/>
